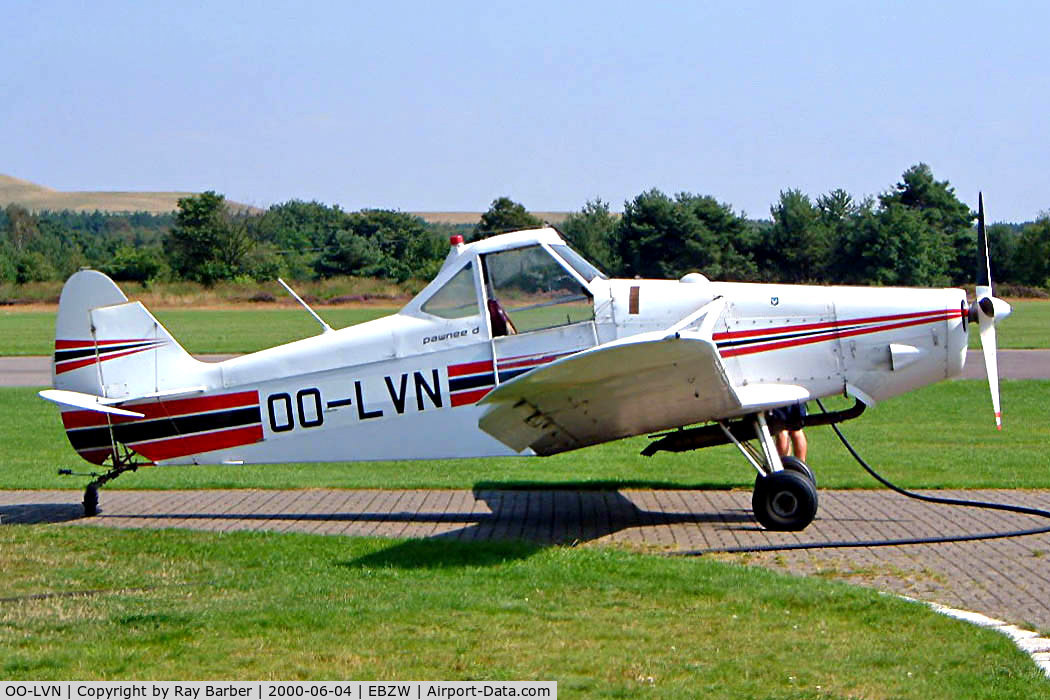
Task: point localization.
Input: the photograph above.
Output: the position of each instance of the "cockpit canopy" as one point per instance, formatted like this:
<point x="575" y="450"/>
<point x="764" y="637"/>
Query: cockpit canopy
<point x="526" y="284"/>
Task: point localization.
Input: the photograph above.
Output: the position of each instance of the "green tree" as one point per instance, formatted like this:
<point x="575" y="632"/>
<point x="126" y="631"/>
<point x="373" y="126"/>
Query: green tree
<point x="839" y="213"/>
<point x="946" y="245"/>
<point x="799" y="240"/>
<point x="664" y="237"/>
<point x="7" y="263"/>
<point x="1032" y="256"/>
<point x="890" y="246"/>
<point x="130" y="264"/>
<point x="1003" y="249"/>
<point x="21" y="227"/>
<point x="346" y="253"/>
<point x="207" y="243"/>
<point x="593" y="231"/>
<point x="381" y="243"/>
<point x="297" y="232"/>
<point x="298" y="225"/>
<point x="504" y="214"/>
<point x="33" y="266"/>
<point x="650" y="230"/>
<point x="264" y="263"/>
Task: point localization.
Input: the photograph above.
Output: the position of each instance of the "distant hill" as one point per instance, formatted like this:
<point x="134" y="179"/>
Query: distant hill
<point x="38" y="198"/>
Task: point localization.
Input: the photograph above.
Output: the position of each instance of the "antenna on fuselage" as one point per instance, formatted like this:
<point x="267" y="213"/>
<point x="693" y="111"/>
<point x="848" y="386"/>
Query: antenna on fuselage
<point x="324" y="326"/>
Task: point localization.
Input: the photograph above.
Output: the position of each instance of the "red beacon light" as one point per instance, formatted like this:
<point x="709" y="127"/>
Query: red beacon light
<point x="456" y="240"/>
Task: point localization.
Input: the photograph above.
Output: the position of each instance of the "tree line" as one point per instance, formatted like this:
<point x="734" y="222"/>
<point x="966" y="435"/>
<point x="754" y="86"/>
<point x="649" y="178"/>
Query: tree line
<point x="916" y="233"/>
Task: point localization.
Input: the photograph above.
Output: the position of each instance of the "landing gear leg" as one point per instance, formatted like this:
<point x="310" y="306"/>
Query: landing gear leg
<point x="91" y="492"/>
<point x="123" y="461"/>
<point x="785" y="495"/>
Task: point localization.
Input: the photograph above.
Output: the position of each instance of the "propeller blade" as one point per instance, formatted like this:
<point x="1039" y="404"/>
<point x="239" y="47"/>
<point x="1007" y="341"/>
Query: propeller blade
<point x="988" y="311"/>
<point x="991" y="362"/>
<point x="984" y="269"/>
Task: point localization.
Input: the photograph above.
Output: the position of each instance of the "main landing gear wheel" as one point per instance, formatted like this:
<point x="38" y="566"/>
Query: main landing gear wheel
<point x="784" y="501"/>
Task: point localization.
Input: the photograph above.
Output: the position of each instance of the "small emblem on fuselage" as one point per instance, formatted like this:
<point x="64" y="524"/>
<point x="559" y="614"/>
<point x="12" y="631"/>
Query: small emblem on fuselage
<point x="774" y="300"/>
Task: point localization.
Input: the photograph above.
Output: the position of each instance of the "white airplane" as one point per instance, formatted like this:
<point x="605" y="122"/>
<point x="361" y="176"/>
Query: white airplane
<point x="519" y="346"/>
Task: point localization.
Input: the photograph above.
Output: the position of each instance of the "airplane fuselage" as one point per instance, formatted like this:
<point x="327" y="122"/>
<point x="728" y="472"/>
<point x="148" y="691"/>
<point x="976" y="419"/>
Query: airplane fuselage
<point x="403" y="387"/>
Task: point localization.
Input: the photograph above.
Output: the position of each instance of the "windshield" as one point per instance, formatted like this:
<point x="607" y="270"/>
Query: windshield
<point x="577" y="262"/>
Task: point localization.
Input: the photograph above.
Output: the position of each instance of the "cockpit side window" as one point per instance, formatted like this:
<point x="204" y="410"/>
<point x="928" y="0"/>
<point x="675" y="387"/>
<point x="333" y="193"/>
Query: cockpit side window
<point x="528" y="289"/>
<point x="457" y="298"/>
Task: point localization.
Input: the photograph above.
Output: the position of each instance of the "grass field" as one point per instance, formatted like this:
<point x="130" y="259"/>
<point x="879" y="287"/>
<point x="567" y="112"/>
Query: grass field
<point x="603" y="623"/>
<point x="938" y="437"/>
<point x="200" y="332"/>
<point x="252" y="328"/>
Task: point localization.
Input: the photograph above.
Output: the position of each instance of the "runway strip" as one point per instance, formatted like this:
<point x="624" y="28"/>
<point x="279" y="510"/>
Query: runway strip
<point x="1013" y="364"/>
<point x="1003" y="578"/>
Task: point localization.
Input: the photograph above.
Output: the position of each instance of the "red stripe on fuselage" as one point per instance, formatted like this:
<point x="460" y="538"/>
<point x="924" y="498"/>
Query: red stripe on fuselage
<point x="470" y="368"/>
<point x="834" y="334"/>
<point x="469" y="397"/>
<point x="96" y="455"/>
<point x="738" y="335"/>
<point x="170" y="448"/>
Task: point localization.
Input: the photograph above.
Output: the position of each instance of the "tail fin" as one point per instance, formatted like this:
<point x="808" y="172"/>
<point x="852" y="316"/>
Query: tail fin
<point x="109" y="347"/>
<point x="125" y="385"/>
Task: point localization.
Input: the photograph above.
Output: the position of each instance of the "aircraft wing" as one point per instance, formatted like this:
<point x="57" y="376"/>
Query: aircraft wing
<point x="610" y="391"/>
<point x="644" y="383"/>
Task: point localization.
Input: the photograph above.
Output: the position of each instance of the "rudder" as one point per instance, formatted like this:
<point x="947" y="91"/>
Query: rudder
<point x="107" y="346"/>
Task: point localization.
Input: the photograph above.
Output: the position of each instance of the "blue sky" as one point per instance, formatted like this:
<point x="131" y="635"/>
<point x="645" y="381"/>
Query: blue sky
<point x="446" y="106"/>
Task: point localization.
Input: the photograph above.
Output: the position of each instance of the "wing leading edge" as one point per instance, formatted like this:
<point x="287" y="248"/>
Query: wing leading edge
<point x="645" y="383"/>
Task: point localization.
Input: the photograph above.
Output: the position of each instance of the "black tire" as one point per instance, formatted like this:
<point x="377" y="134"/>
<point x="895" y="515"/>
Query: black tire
<point x="784" y="501"/>
<point x="91" y="501"/>
<point x="794" y="464"/>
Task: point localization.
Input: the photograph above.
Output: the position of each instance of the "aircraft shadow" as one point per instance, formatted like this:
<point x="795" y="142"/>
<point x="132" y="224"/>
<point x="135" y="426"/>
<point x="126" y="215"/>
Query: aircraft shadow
<point x="536" y="517"/>
<point x="33" y="513"/>
<point x="525" y="521"/>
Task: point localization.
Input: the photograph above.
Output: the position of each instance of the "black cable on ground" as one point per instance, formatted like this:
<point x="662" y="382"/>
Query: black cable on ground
<point x="1025" y="510"/>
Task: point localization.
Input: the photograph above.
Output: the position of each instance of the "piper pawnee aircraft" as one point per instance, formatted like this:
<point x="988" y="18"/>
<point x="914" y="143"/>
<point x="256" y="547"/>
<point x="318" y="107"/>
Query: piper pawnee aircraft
<point x="519" y="346"/>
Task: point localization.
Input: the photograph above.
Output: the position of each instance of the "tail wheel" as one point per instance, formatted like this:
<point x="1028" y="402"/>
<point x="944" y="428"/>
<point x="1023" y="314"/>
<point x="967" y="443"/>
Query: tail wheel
<point x="91" y="501"/>
<point x="784" y="501"/>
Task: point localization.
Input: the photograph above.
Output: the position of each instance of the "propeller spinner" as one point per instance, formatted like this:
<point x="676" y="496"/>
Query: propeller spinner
<point x="987" y="310"/>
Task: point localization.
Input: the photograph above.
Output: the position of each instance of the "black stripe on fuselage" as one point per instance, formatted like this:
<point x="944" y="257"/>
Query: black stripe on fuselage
<point x="508" y="374"/>
<point x="64" y="355"/>
<point x="472" y="381"/>
<point x="784" y="336"/>
<point x="159" y="428"/>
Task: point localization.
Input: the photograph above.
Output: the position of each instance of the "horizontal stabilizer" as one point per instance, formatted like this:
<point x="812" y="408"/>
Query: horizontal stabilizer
<point x="89" y="402"/>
